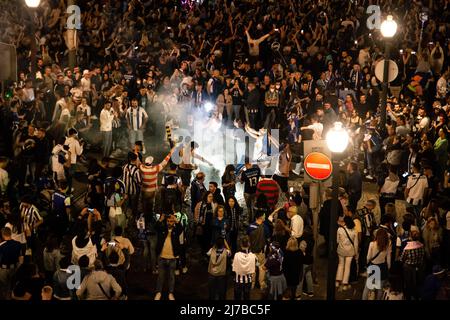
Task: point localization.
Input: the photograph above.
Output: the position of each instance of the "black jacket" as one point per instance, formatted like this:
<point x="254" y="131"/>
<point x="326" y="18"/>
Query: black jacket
<point x="162" y="231"/>
<point x="292" y="267"/>
<point x="218" y="197"/>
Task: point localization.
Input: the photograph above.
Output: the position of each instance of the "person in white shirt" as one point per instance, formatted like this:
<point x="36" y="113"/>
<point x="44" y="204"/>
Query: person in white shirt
<point x="106" y="119"/>
<point x="441" y="86"/>
<point x="28" y="91"/>
<point x="82" y="245"/>
<point x="136" y="121"/>
<point x="4" y="178"/>
<point x="61" y="103"/>
<point x="244" y="267"/>
<point x="379" y="254"/>
<point x="388" y="190"/>
<point x="86" y="81"/>
<point x="65" y="114"/>
<point x="347" y="250"/>
<point x="85" y="108"/>
<point x="296" y="229"/>
<point x="59" y="154"/>
<point x="415" y="189"/>
<point x="76" y="149"/>
<point x="316" y="126"/>
<point x="423" y="120"/>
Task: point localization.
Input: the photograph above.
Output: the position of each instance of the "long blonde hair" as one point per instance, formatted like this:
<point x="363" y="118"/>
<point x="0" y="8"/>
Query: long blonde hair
<point x="292" y="244"/>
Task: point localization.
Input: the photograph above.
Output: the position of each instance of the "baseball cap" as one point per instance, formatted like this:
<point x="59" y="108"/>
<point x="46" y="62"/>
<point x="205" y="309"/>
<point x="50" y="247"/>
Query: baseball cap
<point x="149" y="160"/>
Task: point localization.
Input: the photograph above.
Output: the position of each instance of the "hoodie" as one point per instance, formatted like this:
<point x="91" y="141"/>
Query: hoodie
<point x="94" y="282"/>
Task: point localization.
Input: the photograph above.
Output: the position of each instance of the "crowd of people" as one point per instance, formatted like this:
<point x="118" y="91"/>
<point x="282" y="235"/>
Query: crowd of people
<point x="147" y="68"/>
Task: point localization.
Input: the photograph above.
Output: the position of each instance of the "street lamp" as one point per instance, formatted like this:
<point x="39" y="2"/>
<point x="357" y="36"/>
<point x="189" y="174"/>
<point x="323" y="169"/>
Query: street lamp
<point x="388" y="29"/>
<point x="337" y="141"/>
<point x="33" y="4"/>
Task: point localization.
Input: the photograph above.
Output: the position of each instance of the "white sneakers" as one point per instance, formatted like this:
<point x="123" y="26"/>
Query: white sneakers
<point x="177" y="272"/>
<point x="171" y="296"/>
<point x="185" y="270"/>
<point x="297" y="169"/>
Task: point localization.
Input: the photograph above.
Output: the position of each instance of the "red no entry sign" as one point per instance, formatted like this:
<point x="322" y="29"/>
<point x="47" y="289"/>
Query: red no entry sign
<point x="318" y="166"/>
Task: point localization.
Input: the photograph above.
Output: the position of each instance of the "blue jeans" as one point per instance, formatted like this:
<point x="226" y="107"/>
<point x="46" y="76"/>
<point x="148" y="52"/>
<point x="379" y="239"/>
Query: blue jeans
<point x="135" y="135"/>
<point x="307" y="275"/>
<point x="107" y="142"/>
<point x="166" y="268"/>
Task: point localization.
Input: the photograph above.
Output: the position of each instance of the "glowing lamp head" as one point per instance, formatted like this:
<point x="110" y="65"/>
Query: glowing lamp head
<point x="209" y="106"/>
<point x="337" y="138"/>
<point x="33" y="3"/>
<point x="388" y="27"/>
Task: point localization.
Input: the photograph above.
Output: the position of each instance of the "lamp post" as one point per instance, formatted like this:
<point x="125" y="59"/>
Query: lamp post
<point x="337" y="141"/>
<point x="388" y="30"/>
<point x="72" y="51"/>
<point x="33" y="4"/>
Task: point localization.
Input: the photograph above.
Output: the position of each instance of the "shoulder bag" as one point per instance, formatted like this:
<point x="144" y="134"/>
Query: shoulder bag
<point x="354" y="272"/>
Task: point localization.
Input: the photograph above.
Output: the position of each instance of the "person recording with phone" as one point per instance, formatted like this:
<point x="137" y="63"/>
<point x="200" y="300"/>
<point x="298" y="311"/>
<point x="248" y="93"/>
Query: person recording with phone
<point x="168" y="250"/>
<point x="76" y="150"/>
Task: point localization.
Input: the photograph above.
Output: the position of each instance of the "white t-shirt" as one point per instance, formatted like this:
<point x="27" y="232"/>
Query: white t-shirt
<point x="90" y="250"/>
<point x="75" y="149"/>
<point x="65" y="115"/>
<point x="85" y="84"/>
<point x="296" y="226"/>
<point x="318" y="129"/>
<point x="424" y="123"/>
<point x="416" y="184"/>
<point x="85" y="109"/>
<point x="389" y="186"/>
<point x="56" y="165"/>
<point x="106" y="120"/>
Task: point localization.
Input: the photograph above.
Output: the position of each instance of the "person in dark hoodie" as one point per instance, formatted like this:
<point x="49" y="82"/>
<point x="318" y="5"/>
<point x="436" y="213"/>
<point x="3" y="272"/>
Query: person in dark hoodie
<point x="433" y="283"/>
<point x="324" y="218"/>
<point x="197" y="189"/>
<point x="213" y="188"/>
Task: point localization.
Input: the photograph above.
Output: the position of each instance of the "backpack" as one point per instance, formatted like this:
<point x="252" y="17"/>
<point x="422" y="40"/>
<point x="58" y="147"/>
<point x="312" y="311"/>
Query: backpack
<point x="257" y="237"/>
<point x="61" y="157"/>
<point x="404" y="238"/>
<point x="364" y="227"/>
<point x="112" y="188"/>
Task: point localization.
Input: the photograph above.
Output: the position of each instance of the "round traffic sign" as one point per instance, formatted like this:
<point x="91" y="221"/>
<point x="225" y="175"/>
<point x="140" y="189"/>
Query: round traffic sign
<point x="318" y="166"/>
<point x="392" y="71"/>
